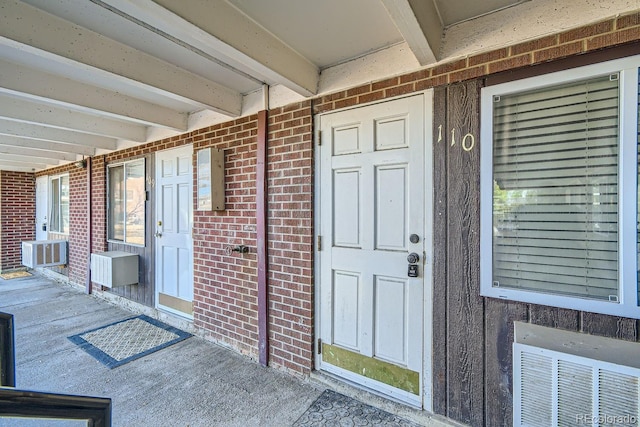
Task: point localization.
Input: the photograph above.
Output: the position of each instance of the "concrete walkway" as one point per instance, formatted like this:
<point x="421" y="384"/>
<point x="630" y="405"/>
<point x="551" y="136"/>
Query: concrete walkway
<point x="191" y="383"/>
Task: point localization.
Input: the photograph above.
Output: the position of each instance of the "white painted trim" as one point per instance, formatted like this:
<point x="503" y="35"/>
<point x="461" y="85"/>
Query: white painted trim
<point x="628" y="305"/>
<point x="427" y="269"/>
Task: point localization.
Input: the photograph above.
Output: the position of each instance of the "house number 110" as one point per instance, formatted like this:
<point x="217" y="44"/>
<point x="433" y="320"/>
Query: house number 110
<point x="468" y="141"/>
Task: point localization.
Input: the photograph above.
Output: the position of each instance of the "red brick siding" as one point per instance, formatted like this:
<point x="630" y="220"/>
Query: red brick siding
<point x="17" y="216"/>
<point x="225" y="286"/>
<point x="98" y="204"/>
<point x="290" y="234"/>
<point x="78" y="226"/>
<point x="608" y="33"/>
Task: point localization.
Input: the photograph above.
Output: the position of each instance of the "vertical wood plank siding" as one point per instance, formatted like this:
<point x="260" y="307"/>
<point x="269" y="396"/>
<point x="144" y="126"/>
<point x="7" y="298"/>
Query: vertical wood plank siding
<point x="440" y="354"/>
<point x="464" y="305"/>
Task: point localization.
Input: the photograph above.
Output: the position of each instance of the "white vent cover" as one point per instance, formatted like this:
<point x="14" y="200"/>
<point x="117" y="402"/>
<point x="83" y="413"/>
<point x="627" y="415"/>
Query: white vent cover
<point x="552" y="388"/>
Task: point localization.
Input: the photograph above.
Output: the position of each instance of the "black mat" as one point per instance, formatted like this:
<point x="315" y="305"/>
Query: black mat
<point x="335" y="409"/>
<point x="121" y="342"/>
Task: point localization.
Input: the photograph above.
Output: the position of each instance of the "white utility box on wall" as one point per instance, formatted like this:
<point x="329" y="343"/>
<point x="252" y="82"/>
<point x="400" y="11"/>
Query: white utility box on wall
<point x="114" y="268"/>
<point x="44" y="253"/>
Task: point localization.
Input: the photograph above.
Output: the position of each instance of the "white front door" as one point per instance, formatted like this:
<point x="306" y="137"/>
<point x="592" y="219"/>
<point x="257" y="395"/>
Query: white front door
<point x="372" y="217"/>
<point x="174" y="222"/>
<point x="42" y="206"/>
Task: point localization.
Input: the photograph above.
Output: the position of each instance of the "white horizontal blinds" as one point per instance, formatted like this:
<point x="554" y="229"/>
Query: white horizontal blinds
<point x="555" y="200"/>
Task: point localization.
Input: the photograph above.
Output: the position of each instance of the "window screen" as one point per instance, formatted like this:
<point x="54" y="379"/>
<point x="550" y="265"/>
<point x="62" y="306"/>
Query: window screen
<point x="555" y="195"/>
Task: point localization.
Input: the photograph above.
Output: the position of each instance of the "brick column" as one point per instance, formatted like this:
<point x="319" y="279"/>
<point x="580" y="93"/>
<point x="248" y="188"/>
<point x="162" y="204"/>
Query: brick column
<point x="17" y="216"/>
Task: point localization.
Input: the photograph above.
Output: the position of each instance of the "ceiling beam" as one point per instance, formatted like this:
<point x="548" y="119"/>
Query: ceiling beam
<point x="58" y="40"/>
<point x="59" y="147"/>
<point x="19" y="79"/>
<point x="419" y="25"/>
<point x="6" y="164"/>
<point x="36" y="132"/>
<point x="18" y="109"/>
<point x="220" y="30"/>
<point x="28" y="159"/>
<point x="17" y="168"/>
<point x="35" y="153"/>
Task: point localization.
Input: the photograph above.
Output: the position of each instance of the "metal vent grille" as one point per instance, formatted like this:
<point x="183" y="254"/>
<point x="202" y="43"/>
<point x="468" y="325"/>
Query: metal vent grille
<point x="558" y="389"/>
<point x="618" y="395"/>
<point x="575" y="384"/>
<point x="536" y="389"/>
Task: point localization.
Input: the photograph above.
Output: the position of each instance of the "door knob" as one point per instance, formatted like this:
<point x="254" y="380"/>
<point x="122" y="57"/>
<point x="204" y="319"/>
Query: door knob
<point x="413" y="258"/>
<point x="158" y="234"/>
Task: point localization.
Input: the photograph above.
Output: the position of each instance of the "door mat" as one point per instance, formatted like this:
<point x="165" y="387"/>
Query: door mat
<point x="130" y="339"/>
<point x="335" y="409"/>
<point x="15" y="275"/>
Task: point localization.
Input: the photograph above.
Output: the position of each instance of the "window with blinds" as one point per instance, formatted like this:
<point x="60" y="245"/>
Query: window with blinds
<point x="555" y="197"/>
<point x="559" y="202"/>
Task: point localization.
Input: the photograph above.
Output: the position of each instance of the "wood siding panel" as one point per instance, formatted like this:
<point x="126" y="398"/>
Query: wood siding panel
<point x="465" y="342"/>
<point x="499" y="318"/>
<point x="554" y="317"/>
<point x="609" y="326"/>
<point x="439" y="255"/>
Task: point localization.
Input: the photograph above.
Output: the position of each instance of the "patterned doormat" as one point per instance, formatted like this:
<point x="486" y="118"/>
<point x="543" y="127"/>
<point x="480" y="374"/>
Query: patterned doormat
<point x="15" y="275"/>
<point x="335" y="409"/>
<point x="130" y="339"/>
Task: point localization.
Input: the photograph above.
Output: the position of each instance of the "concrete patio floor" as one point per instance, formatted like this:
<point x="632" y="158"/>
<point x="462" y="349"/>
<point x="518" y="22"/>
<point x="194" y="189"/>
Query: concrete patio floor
<point x="191" y="383"/>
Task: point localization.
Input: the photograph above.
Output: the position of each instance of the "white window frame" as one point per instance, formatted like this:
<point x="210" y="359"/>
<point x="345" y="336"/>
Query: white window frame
<point x="627" y="305"/>
<point x="51" y="204"/>
<point x="124" y="165"/>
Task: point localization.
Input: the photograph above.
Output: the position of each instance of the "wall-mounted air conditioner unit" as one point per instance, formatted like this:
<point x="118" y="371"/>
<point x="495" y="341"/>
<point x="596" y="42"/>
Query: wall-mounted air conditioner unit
<point x="44" y="253"/>
<point x="114" y="268"/>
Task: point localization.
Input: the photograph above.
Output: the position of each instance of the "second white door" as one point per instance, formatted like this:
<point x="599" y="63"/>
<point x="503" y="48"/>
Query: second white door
<point x="173" y="228"/>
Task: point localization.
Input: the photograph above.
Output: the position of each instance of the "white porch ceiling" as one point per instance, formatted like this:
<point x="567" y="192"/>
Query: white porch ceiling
<point x="85" y="77"/>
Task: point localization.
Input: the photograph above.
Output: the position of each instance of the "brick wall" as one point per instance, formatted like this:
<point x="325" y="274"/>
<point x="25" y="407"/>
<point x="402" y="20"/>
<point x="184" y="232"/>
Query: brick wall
<point x="78" y="226"/>
<point x="17" y="216"/>
<point x="290" y="231"/>
<point x="98" y="204"/>
<point x="225" y="285"/>
<point x="612" y="32"/>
